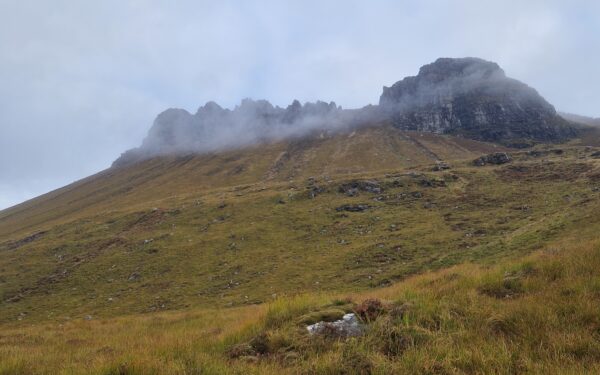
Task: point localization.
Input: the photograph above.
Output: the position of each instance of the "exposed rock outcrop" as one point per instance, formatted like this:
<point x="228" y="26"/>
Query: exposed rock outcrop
<point x="348" y="326"/>
<point x="473" y="98"/>
<point x="214" y="128"/>
<point x="469" y="97"/>
<point x="353" y="207"/>
<point x="496" y="158"/>
<point x="353" y="188"/>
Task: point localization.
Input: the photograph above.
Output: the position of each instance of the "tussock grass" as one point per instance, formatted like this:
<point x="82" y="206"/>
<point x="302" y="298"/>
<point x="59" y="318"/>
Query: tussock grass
<point x="238" y="245"/>
<point x="184" y="278"/>
<point x="443" y="322"/>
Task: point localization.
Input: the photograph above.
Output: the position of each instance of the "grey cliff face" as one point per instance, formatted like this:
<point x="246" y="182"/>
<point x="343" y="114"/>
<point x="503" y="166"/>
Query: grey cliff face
<point x="213" y="128"/>
<point x="469" y="97"/>
<point x="473" y="98"/>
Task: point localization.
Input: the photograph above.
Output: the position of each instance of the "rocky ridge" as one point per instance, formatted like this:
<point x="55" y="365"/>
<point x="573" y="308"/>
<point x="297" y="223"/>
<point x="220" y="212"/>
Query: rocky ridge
<point x="473" y="98"/>
<point x="469" y="97"/>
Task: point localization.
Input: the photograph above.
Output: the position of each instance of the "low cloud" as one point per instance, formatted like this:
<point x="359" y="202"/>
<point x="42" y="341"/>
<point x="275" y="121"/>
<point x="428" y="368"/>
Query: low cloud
<point x="213" y="128"/>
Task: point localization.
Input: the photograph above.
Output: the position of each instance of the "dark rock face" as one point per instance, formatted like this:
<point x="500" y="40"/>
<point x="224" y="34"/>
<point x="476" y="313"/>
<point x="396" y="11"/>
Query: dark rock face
<point x="495" y="159"/>
<point x="213" y="128"/>
<point x="473" y="98"/>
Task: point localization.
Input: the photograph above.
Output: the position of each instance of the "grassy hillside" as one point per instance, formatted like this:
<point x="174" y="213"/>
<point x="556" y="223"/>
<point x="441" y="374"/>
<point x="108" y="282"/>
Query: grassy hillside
<point x="246" y="244"/>
<point x="164" y="181"/>
<point x="239" y="227"/>
<point x="539" y="314"/>
<point x="166" y="265"/>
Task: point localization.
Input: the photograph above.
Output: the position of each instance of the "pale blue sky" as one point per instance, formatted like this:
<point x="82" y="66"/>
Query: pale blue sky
<point x="81" y="81"/>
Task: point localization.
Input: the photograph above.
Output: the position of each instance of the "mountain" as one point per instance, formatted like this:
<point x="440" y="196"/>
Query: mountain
<point x="213" y="128"/>
<point x="198" y="182"/>
<point x="473" y="98"/>
<point x="468" y="97"/>
<point x="374" y="149"/>
<point x="212" y="246"/>
<point x="215" y="263"/>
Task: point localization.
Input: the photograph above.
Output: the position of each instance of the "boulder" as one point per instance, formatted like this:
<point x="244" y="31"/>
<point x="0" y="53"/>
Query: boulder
<point x="352" y="188"/>
<point x="353" y="207"/>
<point x="348" y="326"/>
<point x="595" y="155"/>
<point x="440" y="166"/>
<point x="496" y="158"/>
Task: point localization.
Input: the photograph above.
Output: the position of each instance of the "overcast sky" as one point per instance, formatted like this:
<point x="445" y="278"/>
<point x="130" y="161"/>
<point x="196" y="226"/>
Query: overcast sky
<point x="81" y="81"/>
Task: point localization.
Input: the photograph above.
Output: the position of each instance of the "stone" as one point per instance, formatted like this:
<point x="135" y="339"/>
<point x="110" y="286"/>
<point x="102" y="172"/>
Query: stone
<point x="496" y="158"/>
<point x="416" y="194"/>
<point x="134" y="276"/>
<point x="595" y="155"/>
<point x="440" y="166"/>
<point x="353" y="207"/>
<point x="354" y="187"/>
<point x="314" y="190"/>
<point x="348" y="326"/>
<point x="426" y="182"/>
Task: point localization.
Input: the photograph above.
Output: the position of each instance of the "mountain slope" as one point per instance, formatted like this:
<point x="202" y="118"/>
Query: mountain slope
<point x="228" y="207"/>
<point x="366" y="150"/>
<point x="155" y="264"/>
<point x="242" y="226"/>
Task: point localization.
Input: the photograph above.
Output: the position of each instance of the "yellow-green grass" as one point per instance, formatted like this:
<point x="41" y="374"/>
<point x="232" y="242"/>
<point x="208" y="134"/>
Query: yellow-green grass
<point x="167" y="180"/>
<point x="164" y="266"/>
<point x="457" y="320"/>
<point x="252" y="243"/>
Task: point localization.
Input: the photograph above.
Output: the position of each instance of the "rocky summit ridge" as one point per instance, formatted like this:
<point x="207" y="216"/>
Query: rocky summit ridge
<point x="468" y="97"/>
<point x="474" y="98"/>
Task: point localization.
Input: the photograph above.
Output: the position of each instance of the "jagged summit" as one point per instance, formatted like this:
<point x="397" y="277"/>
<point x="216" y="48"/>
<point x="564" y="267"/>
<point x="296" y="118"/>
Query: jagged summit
<point x="441" y="79"/>
<point x="468" y="96"/>
<point x="214" y="128"/>
<point x="474" y="98"/>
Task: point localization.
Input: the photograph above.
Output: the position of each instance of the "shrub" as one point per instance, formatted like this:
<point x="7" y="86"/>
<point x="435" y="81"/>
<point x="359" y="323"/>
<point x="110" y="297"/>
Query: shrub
<point x="369" y="310"/>
<point x="553" y="270"/>
<point x="240" y="350"/>
<point x="393" y="340"/>
<point x="506" y="288"/>
<point x="258" y="345"/>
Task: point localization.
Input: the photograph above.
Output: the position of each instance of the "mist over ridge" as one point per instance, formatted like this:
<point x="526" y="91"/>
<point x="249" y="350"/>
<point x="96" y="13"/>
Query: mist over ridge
<point x="470" y="97"/>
